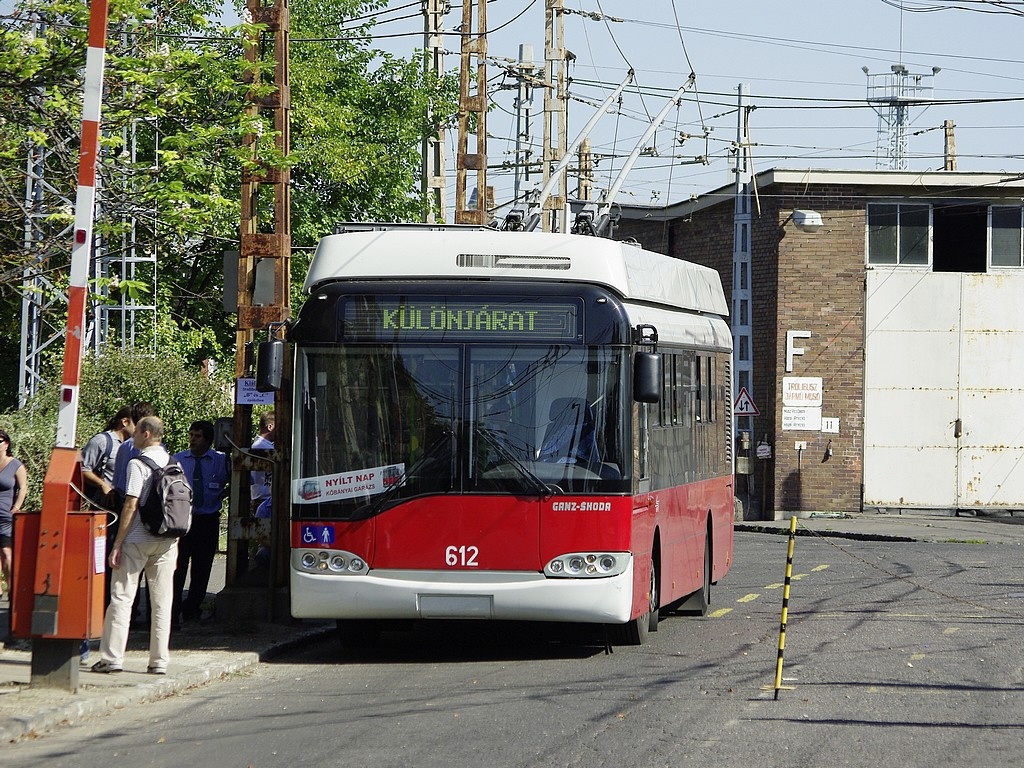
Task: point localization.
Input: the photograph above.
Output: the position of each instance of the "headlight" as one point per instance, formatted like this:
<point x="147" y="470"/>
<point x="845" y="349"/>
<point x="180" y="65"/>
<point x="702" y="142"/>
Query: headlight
<point x="588" y="564"/>
<point x="328" y="562"/>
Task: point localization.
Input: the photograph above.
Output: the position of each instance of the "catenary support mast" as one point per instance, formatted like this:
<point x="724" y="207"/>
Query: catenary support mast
<point x="433" y="182"/>
<point x="474" y="45"/>
<point x="266" y="243"/>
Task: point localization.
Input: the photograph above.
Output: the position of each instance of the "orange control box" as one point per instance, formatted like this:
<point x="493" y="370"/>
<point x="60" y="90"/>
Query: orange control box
<point x="80" y="603"/>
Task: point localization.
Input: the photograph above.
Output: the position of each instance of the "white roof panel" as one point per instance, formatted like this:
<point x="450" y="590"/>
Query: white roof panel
<point x="628" y="270"/>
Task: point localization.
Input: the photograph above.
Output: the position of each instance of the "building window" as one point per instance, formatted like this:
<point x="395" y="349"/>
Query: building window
<point x="1005" y="236"/>
<point x="898" y="234"/>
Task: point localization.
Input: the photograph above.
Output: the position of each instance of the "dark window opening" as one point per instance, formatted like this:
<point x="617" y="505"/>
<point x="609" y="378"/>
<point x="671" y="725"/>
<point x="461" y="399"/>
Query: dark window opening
<point x="959" y="237"/>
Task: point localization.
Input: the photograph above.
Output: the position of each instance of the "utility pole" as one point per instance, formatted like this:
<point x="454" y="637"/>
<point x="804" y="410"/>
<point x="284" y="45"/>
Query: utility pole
<point x="948" y="127"/>
<point x="473" y="45"/>
<point x="433" y="183"/>
<point x="526" y="76"/>
<point x="553" y="212"/>
<point x="586" y="172"/>
<point x="742" y="316"/>
<point x="265" y="245"/>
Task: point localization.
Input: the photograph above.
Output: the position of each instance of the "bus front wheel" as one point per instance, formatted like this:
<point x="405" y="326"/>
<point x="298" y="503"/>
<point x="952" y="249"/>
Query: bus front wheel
<point x="697" y="603"/>
<point x="635" y="632"/>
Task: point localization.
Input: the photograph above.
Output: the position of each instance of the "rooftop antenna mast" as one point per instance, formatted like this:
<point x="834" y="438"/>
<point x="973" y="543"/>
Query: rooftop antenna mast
<point x="892" y="94"/>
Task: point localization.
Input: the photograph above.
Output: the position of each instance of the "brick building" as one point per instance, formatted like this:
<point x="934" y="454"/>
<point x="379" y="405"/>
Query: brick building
<point x="898" y="317"/>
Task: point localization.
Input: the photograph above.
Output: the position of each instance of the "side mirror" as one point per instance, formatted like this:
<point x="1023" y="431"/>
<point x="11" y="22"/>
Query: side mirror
<point x="269" y="365"/>
<point x="647" y="377"/>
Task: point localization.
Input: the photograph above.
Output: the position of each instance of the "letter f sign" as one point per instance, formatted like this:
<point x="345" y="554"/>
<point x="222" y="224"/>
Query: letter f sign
<point x="791" y="350"/>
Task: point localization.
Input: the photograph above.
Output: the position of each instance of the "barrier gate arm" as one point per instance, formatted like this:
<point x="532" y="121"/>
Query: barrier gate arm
<point x="56" y="566"/>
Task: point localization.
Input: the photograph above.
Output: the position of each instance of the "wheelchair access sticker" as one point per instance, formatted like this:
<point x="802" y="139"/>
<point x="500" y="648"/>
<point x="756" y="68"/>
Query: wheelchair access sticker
<point x="317" y="534"/>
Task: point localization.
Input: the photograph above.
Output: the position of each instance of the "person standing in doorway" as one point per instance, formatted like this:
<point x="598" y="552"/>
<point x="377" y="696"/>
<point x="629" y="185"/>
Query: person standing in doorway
<point x="210" y="473"/>
<point x="13" y="487"/>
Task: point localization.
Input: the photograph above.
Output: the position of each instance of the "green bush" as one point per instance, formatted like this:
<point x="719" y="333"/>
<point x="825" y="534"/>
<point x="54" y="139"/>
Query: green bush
<point x="180" y="392"/>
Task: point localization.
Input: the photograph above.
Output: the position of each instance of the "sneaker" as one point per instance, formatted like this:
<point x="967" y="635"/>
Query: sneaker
<point x="156" y="671"/>
<point x="104" y="667"/>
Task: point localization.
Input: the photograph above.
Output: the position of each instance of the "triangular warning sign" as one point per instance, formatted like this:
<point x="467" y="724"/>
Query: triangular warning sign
<point x="744" y="405"/>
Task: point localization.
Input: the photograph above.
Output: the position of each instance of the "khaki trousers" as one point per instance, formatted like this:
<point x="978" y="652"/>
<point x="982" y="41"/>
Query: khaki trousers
<point x="157" y="559"/>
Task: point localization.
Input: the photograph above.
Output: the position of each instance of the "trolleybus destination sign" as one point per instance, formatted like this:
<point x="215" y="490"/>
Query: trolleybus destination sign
<point x="438" y="318"/>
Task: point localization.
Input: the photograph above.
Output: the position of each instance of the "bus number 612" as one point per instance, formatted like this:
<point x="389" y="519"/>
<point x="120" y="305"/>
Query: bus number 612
<point x="464" y="556"/>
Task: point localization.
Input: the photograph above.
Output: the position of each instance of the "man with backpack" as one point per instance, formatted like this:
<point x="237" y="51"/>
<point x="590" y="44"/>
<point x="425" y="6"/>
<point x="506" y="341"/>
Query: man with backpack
<point x="137" y="549"/>
<point x="125" y="453"/>
<point x="98" y="457"/>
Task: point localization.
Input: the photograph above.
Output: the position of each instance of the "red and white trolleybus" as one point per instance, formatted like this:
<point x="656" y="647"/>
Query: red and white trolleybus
<point x="508" y="426"/>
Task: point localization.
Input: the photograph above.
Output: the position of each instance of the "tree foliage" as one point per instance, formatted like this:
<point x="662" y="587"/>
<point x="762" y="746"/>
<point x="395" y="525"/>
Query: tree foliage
<point x="174" y="114"/>
<point x="178" y="390"/>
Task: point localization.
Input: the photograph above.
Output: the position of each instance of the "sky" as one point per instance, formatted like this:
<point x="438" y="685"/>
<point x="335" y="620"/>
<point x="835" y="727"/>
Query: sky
<point x="801" y="59"/>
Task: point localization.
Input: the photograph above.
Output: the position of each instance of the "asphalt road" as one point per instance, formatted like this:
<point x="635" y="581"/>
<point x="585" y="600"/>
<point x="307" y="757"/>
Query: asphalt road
<point x="909" y="654"/>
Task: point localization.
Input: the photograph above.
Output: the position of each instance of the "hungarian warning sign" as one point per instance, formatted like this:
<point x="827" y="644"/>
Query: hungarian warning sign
<point x="744" y="405"/>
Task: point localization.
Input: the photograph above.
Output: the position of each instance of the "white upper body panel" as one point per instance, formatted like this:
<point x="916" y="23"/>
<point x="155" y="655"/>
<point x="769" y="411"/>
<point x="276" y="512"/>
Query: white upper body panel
<point x="628" y="270"/>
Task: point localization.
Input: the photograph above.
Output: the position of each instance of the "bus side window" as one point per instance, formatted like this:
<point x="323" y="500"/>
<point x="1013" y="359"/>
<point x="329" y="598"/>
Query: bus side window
<point x="679" y="399"/>
<point x="640" y="446"/>
<point x="712" y="389"/>
<point x="699" y="389"/>
<point x="665" y="406"/>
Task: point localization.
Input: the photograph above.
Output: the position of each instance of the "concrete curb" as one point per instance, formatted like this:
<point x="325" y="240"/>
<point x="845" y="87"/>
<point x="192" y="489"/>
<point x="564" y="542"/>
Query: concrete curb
<point x="42" y="720"/>
<point x="95" y="704"/>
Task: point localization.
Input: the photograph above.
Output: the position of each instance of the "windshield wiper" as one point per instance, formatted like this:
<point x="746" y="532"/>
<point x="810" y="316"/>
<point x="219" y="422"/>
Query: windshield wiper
<point x="538" y="486"/>
<point x="377" y="504"/>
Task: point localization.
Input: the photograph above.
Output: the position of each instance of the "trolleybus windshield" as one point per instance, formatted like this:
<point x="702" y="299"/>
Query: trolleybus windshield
<point x="380" y="424"/>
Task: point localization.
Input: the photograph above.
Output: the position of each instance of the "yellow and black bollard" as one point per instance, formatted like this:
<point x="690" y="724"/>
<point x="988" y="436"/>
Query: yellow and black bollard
<point x="785" y="606"/>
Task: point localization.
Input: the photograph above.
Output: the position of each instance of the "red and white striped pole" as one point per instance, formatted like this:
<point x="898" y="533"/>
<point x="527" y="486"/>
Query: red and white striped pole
<point x="67" y="415"/>
<point x="58" y="596"/>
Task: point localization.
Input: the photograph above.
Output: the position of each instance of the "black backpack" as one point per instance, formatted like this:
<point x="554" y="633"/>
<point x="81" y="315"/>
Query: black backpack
<point x="167" y="508"/>
<point x="95" y="493"/>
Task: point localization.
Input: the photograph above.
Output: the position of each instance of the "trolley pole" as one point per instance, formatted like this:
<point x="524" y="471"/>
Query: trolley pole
<point x="785" y="606"/>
